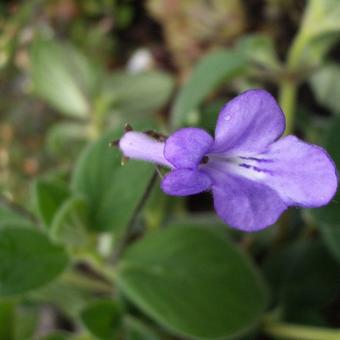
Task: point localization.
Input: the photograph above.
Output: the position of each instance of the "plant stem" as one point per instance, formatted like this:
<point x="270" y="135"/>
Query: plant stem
<point x="87" y="283"/>
<point x="100" y="268"/>
<point x="290" y="331"/>
<point x="287" y="100"/>
<point x="97" y="123"/>
<point x="296" y="50"/>
<point x="129" y="229"/>
<point x="289" y="86"/>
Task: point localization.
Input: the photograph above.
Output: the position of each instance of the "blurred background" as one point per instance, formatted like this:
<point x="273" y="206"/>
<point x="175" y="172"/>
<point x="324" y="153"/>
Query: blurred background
<point x="72" y="70"/>
<point x="63" y="61"/>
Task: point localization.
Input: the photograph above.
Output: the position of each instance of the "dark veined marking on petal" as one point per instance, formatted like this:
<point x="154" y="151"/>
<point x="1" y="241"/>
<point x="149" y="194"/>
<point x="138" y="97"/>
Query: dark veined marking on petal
<point x="260" y="160"/>
<point x="255" y="168"/>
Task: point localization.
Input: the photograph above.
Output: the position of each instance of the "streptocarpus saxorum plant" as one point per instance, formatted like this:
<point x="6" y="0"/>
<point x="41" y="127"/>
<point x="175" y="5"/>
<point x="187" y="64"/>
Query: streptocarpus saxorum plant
<point x="253" y="175"/>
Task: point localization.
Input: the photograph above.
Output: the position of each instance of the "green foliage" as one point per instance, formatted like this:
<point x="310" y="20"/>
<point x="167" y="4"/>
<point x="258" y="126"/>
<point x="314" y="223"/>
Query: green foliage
<point x="304" y="278"/>
<point x="112" y="191"/>
<point x="65" y="137"/>
<point x="16" y="322"/>
<point x="259" y="50"/>
<point x="57" y="336"/>
<point x="63" y="77"/>
<point x="327" y="218"/>
<point x="103" y="319"/>
<point x="8" y="217"/>
<point x="138" y="93"/>
<point x="7" y="316"/>
<point x="319" y="31"/>
<point x="210" y="72"/>
<point x="26" y="321"/>
<point x="48" y="195"/>
<point x="137" y="330"/>
<point x="321" y="17"/>
<point x="112" y="261"/>
<point x="29" y="260"/>
<point x="326" y="86"/>
<point x="71" y="221"/>
<point x="175" y="277"/>
<point x="65" y="293"/>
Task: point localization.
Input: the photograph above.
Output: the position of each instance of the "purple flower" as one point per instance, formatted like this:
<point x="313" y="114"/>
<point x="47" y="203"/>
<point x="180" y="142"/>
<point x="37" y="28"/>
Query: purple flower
<point x="253" y="175"/>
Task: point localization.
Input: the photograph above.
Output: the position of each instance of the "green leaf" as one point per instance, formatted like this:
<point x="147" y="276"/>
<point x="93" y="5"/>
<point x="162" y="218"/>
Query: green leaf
<point x="305" y="278"/>
<point x="57" y="335"/>
<point x="209" y="114"/>
<point x="138" y="93"/>
<point x="327" y="219"/>
<point x="316" y="50"/>
<point x="319" y="31"/>
<point x="9" y="217"/>
<point x="113" y="191"/>
<point x="66" y="293"/>
<point x="26" y="321"/>
<point x="259" y="49"/>
<point x="28" y="260"/>
<point x="71" y="221"/>
<point x="193" y="281"/>
<point x="63" y="77"/>
<point x="326" y="86"/>
<point x="214" y="68"/>
<point x="322" y="17"/>
<point x="7" y="320"/>
<point x="48" y="195"/>
<point x="103" y="318"/>
<point x="67" y="138"/>
<point x="137" y="330"/>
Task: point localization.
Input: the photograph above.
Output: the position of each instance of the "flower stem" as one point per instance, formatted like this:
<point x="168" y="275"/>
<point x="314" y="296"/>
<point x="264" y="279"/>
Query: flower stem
<point x="289" y="86"/>
<point x="129" y="229"/>
<point x="287" y="99"/>
<point x="297" y="332"/>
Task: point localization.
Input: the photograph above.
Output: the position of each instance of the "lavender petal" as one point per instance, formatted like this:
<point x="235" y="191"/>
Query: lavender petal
<point x="184" y="182"/>
<point x="186" y="147"/>
<point x="248" y="124"/>
<point x="303" y="174"/>
<point x="138" y="145"/>
<point x="244" y="204"/>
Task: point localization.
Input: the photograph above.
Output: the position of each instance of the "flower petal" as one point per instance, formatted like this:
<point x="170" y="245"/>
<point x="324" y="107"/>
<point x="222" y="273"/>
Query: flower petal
<point x="186" y="147"/>
<point x="138" y="145"/>
<point x="184" y="182"/>
<point x="303" y="174"/>
<point x="248" y="124"/>
<point x="245" y="204"/>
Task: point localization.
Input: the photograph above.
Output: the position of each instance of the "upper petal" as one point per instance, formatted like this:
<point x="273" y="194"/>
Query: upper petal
<point x="244" y="204"/>
<point x="303" y="174"/>
<point x="184" y="182"/>
<point x="249" y="123"/>
<point x="186" y="147"/>
<point x="138" y="145"/>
